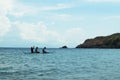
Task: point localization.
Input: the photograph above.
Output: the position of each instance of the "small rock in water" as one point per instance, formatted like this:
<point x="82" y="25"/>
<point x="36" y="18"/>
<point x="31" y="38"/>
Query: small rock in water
<point x="64" y="47"/>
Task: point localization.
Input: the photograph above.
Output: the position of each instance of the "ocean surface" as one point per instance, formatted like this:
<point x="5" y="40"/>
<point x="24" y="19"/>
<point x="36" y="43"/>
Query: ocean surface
<point x="60" y="64"/>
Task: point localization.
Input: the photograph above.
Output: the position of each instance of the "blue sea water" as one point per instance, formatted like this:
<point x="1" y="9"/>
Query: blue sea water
<point x="60" y="64"/>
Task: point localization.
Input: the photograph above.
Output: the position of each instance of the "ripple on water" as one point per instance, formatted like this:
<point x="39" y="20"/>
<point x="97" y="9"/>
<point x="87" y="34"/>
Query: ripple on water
<point x="85" y="64"/>
<point x="5" y="67"/>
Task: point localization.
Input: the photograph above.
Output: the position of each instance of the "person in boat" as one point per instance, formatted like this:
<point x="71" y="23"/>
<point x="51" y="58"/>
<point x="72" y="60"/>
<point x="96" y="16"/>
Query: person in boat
<point x="36" y="50"/>
<point x="32" y="49"/>
<point x="44" y="50"/>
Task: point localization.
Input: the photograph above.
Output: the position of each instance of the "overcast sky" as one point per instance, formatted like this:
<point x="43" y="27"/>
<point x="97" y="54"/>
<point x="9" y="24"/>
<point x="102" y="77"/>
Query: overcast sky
<point x="54" y="23"/>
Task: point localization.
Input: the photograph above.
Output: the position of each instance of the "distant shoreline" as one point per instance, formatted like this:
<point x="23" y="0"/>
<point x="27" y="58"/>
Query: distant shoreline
<point x="100" y="42"/>
<point x="53" y="48"/>
<point x="111" y="41"/>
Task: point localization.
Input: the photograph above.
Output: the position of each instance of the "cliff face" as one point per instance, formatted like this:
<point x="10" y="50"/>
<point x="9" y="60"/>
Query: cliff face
<point x="112" y="41"/>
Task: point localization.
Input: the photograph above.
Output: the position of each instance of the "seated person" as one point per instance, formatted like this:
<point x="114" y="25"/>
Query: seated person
<point x="43" y="50"/>
<point x="36" y="50"/>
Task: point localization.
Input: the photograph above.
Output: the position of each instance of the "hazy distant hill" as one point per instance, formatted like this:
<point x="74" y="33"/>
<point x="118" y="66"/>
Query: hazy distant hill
<point x="112" y="41"/>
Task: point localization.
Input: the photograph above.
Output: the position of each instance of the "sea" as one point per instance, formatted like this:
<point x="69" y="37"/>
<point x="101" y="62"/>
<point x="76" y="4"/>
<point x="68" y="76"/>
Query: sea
<point x="60" y="64"/>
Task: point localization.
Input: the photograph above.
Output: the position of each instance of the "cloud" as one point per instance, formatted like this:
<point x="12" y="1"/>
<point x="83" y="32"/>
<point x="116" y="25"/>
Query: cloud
<point x="60" y="17"/>
<point x="55" y="7"/>
<point x="6" y="6"/>
<point x="113" y="1"/>
<point x="5" y="24"/>
<point x="39" y="32"/>
<point x="112" y="17"/>
<point x="64" y="17"/>
<point x="36" y="32"/>
<point x="72" y="36"/>
<point x="15" y="8"/>
<point x="19" y="9"/>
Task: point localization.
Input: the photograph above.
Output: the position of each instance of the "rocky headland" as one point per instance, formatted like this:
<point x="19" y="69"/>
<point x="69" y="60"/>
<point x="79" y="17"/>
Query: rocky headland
<point x="111" y="41"/>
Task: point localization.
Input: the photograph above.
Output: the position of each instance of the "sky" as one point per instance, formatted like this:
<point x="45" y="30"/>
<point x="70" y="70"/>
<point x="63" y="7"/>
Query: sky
<point x="55" y="23"/>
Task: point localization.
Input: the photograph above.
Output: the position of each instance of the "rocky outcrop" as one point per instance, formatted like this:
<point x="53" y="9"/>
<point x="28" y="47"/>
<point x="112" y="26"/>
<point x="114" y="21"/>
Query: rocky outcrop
<point x="112" y="41"/>
<point x="64" y="47"/>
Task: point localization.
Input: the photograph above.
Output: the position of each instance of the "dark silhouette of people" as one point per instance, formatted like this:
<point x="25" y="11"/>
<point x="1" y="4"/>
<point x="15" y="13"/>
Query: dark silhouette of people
<point x="43" y="50"/>
<point x="36" y="50"/>
<point x="32" y="49"/>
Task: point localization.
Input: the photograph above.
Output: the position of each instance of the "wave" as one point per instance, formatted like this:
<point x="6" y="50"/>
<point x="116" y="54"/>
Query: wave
<point x="5" y="67"/>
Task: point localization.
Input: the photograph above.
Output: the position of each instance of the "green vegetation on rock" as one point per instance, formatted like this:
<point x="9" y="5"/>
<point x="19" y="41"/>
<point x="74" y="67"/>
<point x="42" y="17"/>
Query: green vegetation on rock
<point x="112" y="41"/>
